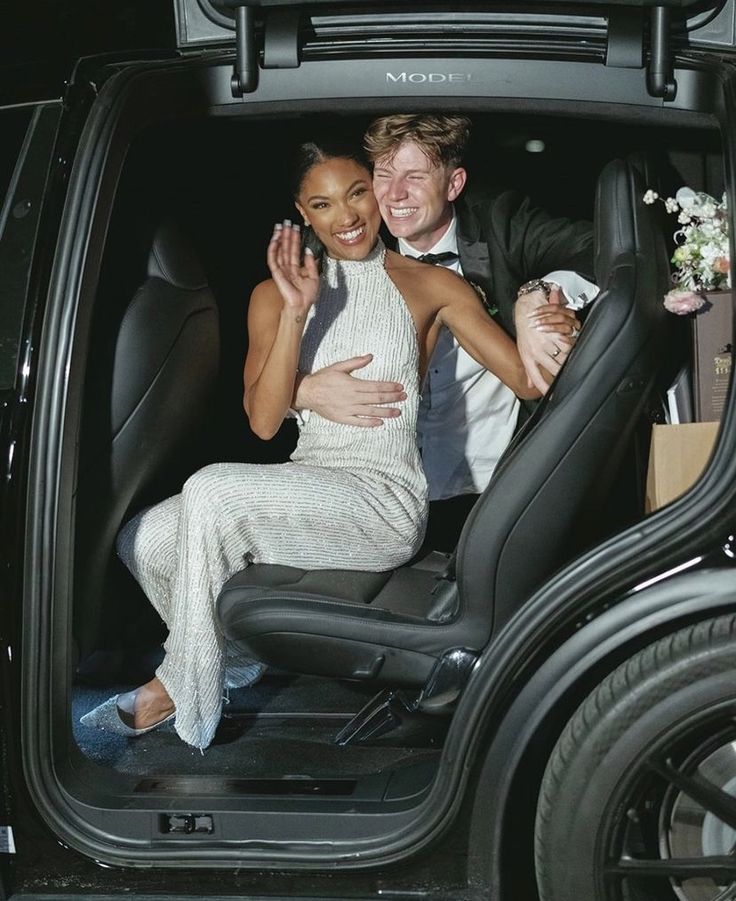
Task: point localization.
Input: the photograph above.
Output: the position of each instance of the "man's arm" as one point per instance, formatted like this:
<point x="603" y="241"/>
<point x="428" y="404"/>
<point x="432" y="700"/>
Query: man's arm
<point x="336" y="394"/>
<point x="539" y="243"/>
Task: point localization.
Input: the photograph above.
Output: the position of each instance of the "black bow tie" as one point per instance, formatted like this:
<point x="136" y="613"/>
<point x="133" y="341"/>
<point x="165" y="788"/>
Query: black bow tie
<point x="438" y="259"/>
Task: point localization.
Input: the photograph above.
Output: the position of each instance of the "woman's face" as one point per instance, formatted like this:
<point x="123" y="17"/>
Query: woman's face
<point x="336" y="199"/>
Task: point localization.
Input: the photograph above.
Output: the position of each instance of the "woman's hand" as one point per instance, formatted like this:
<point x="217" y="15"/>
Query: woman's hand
<point x="297" y="284"/>
<point x="554" y="318"/>
<point x="545" y="335"/>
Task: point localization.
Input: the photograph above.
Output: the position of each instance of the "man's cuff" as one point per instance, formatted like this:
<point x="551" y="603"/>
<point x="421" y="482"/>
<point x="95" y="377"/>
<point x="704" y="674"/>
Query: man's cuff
<point x="578" y="291"/>
<point x="301" y="416"/>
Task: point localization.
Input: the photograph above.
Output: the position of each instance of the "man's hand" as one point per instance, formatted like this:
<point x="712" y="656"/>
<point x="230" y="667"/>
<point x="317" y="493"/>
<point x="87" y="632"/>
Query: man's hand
<point x="546" y="332"/>
<point x="340" y="397"/>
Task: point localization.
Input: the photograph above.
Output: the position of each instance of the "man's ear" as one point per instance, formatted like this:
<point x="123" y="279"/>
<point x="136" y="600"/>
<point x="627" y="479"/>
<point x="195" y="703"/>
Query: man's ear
<point x="457" y="180"/>
<point x="302" y="213"/>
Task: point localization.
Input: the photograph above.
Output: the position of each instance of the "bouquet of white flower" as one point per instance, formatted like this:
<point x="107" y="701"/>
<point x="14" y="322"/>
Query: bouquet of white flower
<point x="701" y="258"/>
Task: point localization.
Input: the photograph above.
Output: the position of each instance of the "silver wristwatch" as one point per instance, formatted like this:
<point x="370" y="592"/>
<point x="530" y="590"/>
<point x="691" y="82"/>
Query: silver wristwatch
<point x="536" y="284"/>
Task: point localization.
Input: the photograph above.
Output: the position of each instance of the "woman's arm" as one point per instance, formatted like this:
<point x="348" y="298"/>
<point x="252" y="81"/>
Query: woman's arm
<point x="274" y="338"/>
<point x="462" y="312"/>
<point x="276" y="318"/>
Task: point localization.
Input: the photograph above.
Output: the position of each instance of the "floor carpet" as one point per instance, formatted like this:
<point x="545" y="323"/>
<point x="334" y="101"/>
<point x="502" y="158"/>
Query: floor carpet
<point x="282" y="727"/>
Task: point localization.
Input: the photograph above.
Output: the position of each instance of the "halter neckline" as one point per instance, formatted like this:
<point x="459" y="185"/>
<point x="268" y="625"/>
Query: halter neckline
<point x="374" y="258"/>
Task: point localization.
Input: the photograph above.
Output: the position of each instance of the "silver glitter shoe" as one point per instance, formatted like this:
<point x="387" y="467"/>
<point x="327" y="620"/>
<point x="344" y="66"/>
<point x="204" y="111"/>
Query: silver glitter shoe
<point x="107" y="717"/>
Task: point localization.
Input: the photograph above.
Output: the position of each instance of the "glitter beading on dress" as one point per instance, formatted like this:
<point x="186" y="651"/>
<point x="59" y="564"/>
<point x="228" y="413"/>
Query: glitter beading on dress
<point x="352" y="497"/>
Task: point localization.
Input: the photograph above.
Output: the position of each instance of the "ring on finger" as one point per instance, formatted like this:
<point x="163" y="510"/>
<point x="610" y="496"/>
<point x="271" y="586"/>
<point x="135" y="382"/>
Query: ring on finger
<point x="556" y="351"/>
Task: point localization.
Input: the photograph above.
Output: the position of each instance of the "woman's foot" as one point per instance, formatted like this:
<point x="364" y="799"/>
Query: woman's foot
<point x="134" y="713"/>
<point x="146" y="706"/>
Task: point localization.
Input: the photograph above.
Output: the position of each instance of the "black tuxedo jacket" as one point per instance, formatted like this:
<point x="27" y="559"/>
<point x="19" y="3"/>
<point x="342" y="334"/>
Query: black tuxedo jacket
<point x="503" y="241"/>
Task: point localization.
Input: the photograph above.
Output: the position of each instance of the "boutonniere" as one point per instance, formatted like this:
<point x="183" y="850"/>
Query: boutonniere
<point x="492" y="309"/>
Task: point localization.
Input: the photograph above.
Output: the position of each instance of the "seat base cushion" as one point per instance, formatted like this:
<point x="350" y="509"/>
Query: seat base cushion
<point x="388" y="626"/>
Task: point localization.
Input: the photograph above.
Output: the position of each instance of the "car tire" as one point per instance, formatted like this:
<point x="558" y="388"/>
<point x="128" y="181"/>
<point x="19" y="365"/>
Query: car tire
<point x="622" y="794"/>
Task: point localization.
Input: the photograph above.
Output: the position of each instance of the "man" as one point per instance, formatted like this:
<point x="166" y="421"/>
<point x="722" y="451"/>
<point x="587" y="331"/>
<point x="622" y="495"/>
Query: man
<point x="497" y="241"/>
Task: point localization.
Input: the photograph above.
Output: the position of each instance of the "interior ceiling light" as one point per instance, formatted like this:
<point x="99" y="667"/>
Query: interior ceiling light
<point x="534" y="146"/>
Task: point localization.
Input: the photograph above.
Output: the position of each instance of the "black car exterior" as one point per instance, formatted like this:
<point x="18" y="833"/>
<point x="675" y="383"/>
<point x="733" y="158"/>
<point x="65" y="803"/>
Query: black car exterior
<point x="641" y="624"/>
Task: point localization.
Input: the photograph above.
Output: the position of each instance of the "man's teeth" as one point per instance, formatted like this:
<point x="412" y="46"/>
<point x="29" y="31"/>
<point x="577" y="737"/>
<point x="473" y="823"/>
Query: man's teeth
<point x="402" y="212"/>
<point x="349" y="236"/>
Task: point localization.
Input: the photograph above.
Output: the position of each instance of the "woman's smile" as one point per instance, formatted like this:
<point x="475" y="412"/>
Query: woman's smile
<point x="354" y="236"/>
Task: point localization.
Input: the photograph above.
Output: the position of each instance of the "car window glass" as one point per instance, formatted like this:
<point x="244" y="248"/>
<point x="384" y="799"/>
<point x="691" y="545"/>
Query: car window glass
<point x="28" y="138"/>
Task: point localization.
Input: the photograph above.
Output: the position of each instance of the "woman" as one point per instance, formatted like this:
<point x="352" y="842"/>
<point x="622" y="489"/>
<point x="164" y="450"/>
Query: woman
<point x="350" y="498"/>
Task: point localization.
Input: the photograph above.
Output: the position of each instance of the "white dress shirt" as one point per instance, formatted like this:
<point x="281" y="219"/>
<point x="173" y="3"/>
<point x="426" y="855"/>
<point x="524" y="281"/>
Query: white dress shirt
<point x="467" y="416"/>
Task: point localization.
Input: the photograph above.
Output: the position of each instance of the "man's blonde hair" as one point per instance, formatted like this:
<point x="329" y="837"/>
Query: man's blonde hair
<point x="442" y="138"/>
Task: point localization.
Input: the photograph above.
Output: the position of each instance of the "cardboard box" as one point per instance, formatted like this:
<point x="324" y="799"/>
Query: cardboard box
<point x="677" y="457"/>
<point x="712" y="353"/>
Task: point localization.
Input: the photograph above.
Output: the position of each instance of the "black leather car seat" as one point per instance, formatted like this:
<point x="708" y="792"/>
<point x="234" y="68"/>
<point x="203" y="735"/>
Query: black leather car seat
<point x="394" y="627"/>
<point x="148" y="382"/>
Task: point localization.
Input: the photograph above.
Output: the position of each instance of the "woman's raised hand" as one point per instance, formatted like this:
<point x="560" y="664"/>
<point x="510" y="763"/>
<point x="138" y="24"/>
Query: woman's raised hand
<point x="298" y="284"/>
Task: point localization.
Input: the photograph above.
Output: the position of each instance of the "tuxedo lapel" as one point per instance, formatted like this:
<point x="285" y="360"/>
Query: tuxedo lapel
<point x="473" y="250"/>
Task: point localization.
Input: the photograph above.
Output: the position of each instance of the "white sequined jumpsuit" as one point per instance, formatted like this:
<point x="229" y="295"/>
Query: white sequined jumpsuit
<point x="351" y="497"/>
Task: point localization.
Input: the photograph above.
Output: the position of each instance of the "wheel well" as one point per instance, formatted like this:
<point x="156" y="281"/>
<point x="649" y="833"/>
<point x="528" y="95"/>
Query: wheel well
<point x="506" y="776"/>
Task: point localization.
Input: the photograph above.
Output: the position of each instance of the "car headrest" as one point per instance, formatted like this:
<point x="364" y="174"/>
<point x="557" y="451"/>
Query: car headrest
<point x="618" y="229"/>
<point x="173" y="258"/>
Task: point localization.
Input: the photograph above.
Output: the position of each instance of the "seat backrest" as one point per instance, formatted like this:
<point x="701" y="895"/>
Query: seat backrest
<point x="151" y="371"/>
<point x="553" y="476"/>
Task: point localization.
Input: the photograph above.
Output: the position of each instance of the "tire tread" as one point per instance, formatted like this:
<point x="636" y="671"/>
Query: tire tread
<point x="683" y="654"/>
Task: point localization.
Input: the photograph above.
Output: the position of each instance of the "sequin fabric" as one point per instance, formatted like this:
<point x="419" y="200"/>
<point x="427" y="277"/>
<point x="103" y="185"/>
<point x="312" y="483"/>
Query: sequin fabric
<point x="351" y="498"/>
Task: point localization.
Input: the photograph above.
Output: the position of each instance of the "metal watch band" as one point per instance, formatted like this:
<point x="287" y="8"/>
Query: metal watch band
<point x="536" y="284"/>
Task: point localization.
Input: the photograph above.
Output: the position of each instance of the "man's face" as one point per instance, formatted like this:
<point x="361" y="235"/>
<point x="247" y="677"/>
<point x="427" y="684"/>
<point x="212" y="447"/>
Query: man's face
<point x="415" y="196"/>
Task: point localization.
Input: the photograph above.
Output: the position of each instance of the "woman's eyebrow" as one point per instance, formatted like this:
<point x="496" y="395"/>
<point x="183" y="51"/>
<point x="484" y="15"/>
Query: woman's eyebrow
<point x="358" y="181"/>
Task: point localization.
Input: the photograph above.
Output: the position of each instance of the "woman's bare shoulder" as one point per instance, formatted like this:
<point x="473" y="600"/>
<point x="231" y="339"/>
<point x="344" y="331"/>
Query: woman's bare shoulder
<point x="265" y="301"/>
<point x="265" y="292"/>
<point x="267" y="286"/>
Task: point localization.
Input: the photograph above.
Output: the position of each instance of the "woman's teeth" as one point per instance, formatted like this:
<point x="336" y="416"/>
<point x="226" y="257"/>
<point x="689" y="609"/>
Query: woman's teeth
<point x="351" y="235"/>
